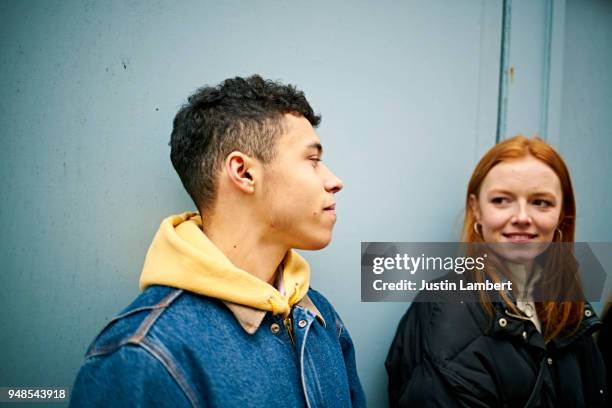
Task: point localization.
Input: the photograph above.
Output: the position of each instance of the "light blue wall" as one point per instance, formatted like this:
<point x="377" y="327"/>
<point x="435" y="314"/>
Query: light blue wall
<point x="526" y="51"/>
<point x="585" y="137"/>
<point x="586" y="119"/>
<point x="408" y="92"/>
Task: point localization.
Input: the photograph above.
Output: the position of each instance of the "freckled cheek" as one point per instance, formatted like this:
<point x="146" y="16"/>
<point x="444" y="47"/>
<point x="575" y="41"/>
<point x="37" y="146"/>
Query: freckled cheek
<point x="546" y="223"/>
<point x="495" y="220"/>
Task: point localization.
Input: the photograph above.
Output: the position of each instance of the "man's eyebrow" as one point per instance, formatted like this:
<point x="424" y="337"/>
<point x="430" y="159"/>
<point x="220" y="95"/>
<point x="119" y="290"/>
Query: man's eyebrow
<point x="317" y="146"/>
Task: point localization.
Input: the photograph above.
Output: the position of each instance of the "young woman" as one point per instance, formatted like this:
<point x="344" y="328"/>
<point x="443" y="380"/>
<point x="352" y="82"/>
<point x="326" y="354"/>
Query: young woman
<point x="501" y="351"/>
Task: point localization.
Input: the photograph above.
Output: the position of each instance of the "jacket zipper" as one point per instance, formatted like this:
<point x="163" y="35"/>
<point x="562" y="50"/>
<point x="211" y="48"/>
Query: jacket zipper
<point x="289" y="327"/>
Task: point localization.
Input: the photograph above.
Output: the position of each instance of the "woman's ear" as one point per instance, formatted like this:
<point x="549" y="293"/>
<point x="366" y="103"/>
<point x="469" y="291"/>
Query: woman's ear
<point x="241" y="171"/>
<point x="561" y="220"/>
<point x="475" y="207"/>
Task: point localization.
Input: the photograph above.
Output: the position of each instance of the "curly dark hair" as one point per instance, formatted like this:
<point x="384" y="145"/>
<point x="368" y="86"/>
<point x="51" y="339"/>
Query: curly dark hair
<point x="243" y="114"/>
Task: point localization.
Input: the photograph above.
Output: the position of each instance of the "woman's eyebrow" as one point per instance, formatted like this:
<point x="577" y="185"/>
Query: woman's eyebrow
<point x="544" y="193"/>
<point x="498" y="191"/>
<point x="507" y="192"/>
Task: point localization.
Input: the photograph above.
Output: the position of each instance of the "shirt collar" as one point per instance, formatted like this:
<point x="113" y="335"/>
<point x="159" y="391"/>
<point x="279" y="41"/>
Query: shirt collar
<point x="250" y="319"/>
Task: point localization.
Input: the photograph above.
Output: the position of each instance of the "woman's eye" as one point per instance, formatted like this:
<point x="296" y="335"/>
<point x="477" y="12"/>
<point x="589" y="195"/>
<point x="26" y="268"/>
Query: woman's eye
<point x="315" y="160"/>
<point x="542" y="203"/>
<point x="499" y="200"/>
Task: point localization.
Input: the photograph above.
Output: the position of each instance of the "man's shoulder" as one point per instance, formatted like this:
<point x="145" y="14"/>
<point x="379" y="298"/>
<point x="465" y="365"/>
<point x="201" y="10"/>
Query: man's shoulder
<point x="155" y="306"/>
<point x="324" y="306"/>
<point x="328" y="312"/>
<point x="129" y="355"/>
<point x="319" y="299"/>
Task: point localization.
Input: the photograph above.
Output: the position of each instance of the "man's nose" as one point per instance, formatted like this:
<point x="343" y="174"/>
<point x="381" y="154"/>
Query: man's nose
<point x="333" y="184"/>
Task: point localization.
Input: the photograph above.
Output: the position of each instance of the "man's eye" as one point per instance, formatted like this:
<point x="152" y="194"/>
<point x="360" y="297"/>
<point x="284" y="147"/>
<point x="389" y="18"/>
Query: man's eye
<point x="542" y="203"/>
<point x="315" y="160"/>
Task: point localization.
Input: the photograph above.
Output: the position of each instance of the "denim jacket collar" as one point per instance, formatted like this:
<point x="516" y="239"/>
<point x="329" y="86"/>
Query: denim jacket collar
<point x="250" y="319"/>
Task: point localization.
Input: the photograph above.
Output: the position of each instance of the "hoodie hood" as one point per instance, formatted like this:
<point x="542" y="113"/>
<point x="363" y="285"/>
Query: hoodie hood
<point x="182" y="256"/>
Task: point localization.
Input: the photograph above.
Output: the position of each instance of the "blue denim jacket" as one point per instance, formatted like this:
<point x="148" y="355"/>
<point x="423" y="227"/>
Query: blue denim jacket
<point x="171" y="347"/>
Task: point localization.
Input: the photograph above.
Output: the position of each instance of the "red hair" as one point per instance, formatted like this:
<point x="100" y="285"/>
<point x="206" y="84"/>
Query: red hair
<point x="555" y="316"/>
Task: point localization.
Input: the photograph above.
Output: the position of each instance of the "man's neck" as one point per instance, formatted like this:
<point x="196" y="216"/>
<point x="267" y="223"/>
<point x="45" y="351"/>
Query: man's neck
<point x="246" y="248"/>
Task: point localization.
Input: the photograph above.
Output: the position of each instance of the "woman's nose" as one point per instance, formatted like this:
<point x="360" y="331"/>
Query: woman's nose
<point x="521" y="215"/>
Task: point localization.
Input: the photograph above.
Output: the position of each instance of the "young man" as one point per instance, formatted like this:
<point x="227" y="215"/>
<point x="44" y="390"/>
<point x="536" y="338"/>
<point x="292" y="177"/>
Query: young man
<point x="226" y="317"/>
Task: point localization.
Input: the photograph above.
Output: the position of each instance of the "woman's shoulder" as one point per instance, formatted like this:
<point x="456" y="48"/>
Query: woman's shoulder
<point x="444" y="326"/>
<point x="435" y="342"/>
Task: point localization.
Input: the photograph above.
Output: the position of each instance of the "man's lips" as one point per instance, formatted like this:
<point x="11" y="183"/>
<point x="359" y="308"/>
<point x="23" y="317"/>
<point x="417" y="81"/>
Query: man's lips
<point x="331" y="210"/>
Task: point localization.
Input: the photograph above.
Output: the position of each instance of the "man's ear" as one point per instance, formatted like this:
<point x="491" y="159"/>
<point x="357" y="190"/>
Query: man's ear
<point x="241" y="171"/>
<point x="475" y="207"/>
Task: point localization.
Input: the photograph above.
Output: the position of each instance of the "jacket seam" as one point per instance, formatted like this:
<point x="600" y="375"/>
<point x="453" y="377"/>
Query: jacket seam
<point x="172" y="369"/>
<point x="302" y="371"/>
<point x="339" y="330"/>
<point x="143" y="328"/>
<point x="315" y="377"/>
<point x="146" y="325"/>
<point x="163" y="303"/>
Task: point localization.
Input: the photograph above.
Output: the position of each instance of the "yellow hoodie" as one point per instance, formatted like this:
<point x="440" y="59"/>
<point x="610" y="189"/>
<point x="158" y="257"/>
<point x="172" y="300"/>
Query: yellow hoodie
<point x="182" y="256"/>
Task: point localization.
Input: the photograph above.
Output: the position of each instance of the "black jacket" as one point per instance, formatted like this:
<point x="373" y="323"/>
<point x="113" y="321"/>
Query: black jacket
<point x="454" y="355"/>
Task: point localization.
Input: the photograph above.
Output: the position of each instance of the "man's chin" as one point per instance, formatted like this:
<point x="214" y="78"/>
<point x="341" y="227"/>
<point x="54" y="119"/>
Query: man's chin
<point x="314" y="243"/>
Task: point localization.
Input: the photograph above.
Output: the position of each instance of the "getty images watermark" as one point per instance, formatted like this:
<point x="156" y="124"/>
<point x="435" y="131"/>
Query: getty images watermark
<point x="450" y="271"/>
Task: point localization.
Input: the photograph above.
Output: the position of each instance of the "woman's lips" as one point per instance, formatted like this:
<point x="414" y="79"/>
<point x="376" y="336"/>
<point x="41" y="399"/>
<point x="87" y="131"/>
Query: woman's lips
<point x="518" y="237"/>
